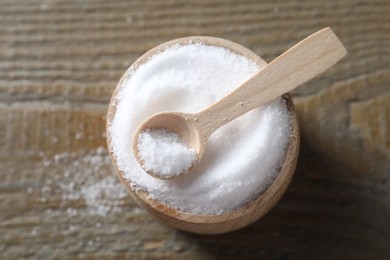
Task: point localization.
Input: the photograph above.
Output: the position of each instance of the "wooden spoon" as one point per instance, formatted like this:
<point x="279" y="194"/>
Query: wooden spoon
<point x="302" y="62"/>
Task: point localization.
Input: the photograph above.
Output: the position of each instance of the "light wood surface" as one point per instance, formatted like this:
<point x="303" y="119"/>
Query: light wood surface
<point x="60" y="62"/>
<point x="302" y="62"/>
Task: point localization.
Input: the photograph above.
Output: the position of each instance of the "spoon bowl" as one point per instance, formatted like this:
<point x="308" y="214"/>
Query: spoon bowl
<point x="180" y="123"/>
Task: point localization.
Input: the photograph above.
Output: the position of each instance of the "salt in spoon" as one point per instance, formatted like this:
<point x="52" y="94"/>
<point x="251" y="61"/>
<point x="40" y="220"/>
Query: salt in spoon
<point x="302" y="62"/>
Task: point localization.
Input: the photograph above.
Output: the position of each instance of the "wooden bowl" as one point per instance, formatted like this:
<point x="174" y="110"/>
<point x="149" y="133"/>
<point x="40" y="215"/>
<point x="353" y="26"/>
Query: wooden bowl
<point x="231" y="220"/>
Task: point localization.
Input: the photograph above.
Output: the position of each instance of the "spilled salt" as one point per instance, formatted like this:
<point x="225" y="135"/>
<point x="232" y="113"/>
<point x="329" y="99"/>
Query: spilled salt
<point x="164" y="152"/>
<point x="242" y="158"/>
<point x="84" y="177"/>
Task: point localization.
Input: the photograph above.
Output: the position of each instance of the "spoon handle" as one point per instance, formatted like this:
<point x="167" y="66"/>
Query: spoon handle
<point x="302" y="62"/>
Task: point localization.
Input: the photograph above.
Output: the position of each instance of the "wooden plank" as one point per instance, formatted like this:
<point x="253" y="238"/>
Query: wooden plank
<point x="59" y="63"/>
<point x="35" y="127"/>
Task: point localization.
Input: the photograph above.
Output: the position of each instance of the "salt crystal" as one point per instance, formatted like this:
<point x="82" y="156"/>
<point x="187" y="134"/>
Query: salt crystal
<point x="242" y="158"/>
<point x="55" y="139"/>
<point x="100" y="150"/>
<point x="46" y="163"/>
<point x="79" y="135"/>
<point x="164" y="152"/>
<point x="34" y="232"/>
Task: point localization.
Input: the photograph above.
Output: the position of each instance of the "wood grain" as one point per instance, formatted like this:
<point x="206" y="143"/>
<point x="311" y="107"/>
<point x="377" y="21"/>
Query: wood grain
<point x="59" y="63"/>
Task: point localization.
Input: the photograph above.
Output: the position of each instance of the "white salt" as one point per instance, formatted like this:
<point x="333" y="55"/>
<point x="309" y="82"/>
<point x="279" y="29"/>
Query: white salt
<point x="88" y="179"/>
<point x="242" y="158"/>
<point x="164" y="152"/>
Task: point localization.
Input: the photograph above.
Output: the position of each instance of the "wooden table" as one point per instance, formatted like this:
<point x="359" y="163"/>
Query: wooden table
<point x="59" y="63"/>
